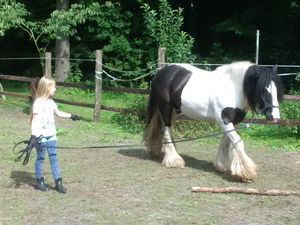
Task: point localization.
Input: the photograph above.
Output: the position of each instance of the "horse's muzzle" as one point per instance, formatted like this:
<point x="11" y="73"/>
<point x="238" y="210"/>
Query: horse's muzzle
<point x="271" y="118"/>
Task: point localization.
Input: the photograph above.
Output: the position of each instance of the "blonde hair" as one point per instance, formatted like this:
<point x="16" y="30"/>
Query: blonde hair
<point x="41" y="89"/>
<point x="44" y="86"/>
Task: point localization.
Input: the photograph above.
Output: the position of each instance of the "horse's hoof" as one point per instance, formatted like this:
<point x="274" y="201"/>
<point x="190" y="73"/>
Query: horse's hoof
<point x="177" y="163"/>
<point x="220" y="167"/>
<point x="246" y="177"/>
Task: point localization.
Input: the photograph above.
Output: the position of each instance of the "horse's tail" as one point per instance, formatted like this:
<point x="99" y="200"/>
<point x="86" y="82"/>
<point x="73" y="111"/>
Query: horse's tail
<point x="153" y="133"/>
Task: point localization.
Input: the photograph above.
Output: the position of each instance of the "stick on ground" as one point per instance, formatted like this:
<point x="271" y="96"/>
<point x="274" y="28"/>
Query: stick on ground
<point x="249" y="191"/>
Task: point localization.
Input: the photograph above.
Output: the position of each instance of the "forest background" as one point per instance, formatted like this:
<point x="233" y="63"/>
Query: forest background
<point x="130" y="31"/>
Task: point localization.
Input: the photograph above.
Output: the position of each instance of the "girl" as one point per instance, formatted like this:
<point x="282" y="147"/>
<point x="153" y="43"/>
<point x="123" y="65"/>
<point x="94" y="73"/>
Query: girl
<point x="43" y="125"/>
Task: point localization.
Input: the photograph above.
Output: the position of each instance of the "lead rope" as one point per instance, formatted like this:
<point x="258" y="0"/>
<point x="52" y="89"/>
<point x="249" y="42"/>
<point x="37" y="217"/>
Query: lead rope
<point x="247" y="125"/>
<point x="27" y="151"/>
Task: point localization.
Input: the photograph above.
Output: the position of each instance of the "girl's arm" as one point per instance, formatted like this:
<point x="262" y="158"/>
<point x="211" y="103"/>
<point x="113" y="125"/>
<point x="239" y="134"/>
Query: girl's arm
<point x="62" y="114"/>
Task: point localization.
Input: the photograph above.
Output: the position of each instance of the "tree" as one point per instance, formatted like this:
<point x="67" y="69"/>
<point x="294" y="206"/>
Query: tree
<point x="61" y="24"/>
<point x="62" y="48"/>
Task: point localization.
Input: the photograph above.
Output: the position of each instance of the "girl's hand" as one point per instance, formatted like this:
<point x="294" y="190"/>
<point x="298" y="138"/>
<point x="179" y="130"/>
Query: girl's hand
<point x="75" y="117"/>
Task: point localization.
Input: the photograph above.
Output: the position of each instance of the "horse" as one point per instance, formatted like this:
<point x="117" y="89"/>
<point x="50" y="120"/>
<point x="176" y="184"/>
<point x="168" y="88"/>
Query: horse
<point x="223" y="95"/>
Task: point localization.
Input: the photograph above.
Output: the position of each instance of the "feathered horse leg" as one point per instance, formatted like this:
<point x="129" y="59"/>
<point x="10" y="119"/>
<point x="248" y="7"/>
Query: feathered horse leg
<point x="222" y="161"/>
<point x="158" y="138"/>
<point x="172" y="158"/>
<point x="241" y="165"/>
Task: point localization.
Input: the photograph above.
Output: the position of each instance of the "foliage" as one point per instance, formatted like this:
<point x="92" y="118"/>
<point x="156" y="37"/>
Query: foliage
<point x="60" y="23"/>
<point x="218" y="55"/>
<point x="291" y="110"/>
<point x="164" y="26"/>
<point x="239" y="25"/>
<point x="110" y="31"/>
<point x="43" y="31"/>
<point x="12" y="14"/>
<point x="298" y="78"/>
<point x="64" y="23"/>
<point x="130" y="34"/>
<point x="75" y="75"/>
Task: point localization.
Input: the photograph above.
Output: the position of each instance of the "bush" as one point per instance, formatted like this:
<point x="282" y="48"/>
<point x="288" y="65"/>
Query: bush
<point x="164" y="26"/>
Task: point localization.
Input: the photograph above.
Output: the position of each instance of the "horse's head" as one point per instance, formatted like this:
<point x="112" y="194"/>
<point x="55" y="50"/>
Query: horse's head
<point x="263" y="90"/>
<point x="268" y="104"/>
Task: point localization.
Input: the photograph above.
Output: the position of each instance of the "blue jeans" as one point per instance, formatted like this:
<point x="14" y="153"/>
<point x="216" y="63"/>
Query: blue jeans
<point x="50" y="146"/>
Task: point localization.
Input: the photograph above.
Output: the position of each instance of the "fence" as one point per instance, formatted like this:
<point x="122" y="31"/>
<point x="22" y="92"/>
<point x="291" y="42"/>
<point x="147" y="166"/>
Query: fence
<point x="97" y="106"/>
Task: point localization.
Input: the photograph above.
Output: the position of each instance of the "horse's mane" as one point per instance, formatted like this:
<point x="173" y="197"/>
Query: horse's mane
<point x="236" y="70"/>
<point x="257" y="78"/>
<point x="253" y="79"/>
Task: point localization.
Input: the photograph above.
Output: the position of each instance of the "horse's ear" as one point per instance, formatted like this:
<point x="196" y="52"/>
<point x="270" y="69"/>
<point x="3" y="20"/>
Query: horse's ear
<point x="275" y="69"/>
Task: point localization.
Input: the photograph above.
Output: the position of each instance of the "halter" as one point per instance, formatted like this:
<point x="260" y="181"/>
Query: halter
<point x="269" y="107"/>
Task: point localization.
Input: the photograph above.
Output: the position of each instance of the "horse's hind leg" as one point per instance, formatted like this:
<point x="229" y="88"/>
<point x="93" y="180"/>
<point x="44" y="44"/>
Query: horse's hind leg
<point x="172" y="158"/>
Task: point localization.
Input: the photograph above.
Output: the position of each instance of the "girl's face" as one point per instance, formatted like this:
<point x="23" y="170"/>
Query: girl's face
<point x="52" y="90"/>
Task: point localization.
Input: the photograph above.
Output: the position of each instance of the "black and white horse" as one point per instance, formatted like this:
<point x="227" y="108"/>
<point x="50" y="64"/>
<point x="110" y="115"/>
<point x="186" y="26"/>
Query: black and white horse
<point x="223" y="95"/>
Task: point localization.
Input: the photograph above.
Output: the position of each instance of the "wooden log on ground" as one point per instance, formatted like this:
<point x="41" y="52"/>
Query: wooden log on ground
<point x="248" y="191"/>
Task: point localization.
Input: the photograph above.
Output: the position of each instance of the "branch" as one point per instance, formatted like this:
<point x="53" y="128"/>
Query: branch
<point x="29" y="31"/>
<point x="35" y="39"/>
<point x="248" y="191"/>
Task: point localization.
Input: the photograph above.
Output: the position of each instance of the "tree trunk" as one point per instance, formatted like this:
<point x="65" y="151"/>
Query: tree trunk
<point x="62" y="49"/>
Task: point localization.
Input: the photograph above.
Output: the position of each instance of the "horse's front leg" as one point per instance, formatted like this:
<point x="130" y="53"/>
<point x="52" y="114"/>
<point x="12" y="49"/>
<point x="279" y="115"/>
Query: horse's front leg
<point x="222" y="161"/>
<point x="241" y="164"/>
<point x="172" y="158"/>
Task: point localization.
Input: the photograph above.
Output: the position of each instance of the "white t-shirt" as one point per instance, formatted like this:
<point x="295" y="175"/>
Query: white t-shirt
<point x="43" y="121"/>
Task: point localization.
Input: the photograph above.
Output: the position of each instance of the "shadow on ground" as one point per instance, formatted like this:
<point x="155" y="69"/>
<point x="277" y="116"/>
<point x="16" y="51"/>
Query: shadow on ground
<point x="22" y="178"/>
<point x="191" y="162"/>
<point x="138" y="153"/>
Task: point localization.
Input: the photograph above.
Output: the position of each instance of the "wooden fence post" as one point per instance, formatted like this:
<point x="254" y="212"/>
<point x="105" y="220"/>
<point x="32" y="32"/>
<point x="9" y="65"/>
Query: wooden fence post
<point x="98" y="85"/>
<point x="1" y="89"/>
<point x="161" y="57"/>
<point x="48" y="64"/>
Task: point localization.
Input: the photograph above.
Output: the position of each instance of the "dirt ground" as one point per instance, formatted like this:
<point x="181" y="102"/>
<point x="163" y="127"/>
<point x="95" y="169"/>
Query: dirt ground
<point x="124" y="186"/>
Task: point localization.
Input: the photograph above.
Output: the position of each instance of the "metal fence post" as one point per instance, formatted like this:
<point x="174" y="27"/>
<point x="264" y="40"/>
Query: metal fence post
<point x="257" y="47"/>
